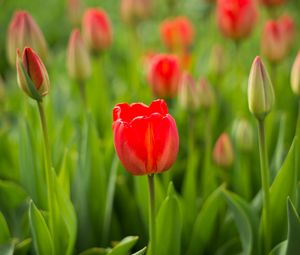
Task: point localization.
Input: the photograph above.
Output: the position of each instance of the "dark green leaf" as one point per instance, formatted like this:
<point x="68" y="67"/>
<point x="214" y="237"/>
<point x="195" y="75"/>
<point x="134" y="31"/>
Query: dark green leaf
<point x="124" y="246"/>
<point x="293" y="244"/>
<point x="4" y="231"/>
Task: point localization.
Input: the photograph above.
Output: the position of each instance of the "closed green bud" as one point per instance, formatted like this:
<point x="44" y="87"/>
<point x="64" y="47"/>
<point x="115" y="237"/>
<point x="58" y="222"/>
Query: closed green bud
<point x="243" y="134"/>
<point x="260" y="90"/>
<point x="295" y="75"/>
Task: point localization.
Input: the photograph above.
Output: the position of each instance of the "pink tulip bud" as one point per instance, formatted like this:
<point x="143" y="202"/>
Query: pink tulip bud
<point x="164" y="75"/>
<point x="206" y="94"/>
<point x="32" y="75"/>
<point x="277" y="38"/>
<point x="78" y="59"/>
<point x="133" y="11"/>
<point x="217" y="61"/>
<point x="96" y="29"/>
<point x="223" y="155"/>
<point x="236" y="18"/>
<point x="75" y="10"/>
<point x="177" y="34"/>
<point x="24" y="32"/>
<point x="188" y="94"/>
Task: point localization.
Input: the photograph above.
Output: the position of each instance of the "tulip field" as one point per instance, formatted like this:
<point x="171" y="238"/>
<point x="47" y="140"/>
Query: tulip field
<point x="156" y="127"/>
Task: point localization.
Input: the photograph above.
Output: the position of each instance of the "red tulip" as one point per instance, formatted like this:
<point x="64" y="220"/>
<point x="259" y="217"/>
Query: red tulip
<point x="78" y="59"/>
<point x="223" y="152"/>
<point x="32" y="75"/>
<point x="145" y="137"/>
<point x="236" y="18"/>
<point x="24" y="32"/>
<point x="96" y="29"/>
<point x="164" y="75"/>
<point x="177" y="33"/>
<point x="289" y="28"/>
<point x="133" y="11"/>
<point x="271" y="3"/>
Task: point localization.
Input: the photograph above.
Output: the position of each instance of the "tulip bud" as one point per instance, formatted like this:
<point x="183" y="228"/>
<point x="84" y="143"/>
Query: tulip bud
<point x="24" y="32"/>
<point x="96" y="29"/>
<point x="223" y="152"/>
<point x="188" y="93"/>
<point x="145" y="137"/>
<point x="2" y="90"/>
<point x="217" y="60"/>
<point x="260" y="90"/>
<point x="289" y="28"/>
<point x="177" y="34"/>
<point x="243" y="135"/>
<point x="272" y="3"/>
<point x="274" y="41"/>
<point x="164" y="75"/>
<point x="295" y="75"/>
<point x="134" y="11"/>
<point x="236" y="18"/>
<point x="206" y="94"/>
<point x="78" y="59"/>
<point x="75" y="10"/>
<point x="32" y="75"/>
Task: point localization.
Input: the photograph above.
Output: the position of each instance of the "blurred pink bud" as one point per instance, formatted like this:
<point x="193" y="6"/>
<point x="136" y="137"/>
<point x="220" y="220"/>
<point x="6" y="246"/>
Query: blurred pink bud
<point x="223" y="155"/>
<point x="272" y="3"/>
<point x="206" y="94"/>
<point x="277" y="38"/>
<point x="164" y="75"/>
<point x="133" y="11"/>
<point x="217" y="60"/>
<point x="75" y="11"/>
<point x="32" y="75"/>
<point x="96" y="29"/>
<point x="236" y="18"/>
<point x="177" y="33"/>
<point x="23" y="32"/>
<point x="78" y="59"/>
<point x="188" y="94"/>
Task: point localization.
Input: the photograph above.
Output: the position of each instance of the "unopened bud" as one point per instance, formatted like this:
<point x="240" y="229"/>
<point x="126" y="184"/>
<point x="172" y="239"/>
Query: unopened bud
<point x="188" y="94"/>
<point x="295" y="75"/>
<point x="206" y="94"/>
<point x="134" y="11"/>
<point x="32" y="75"/>
<point x="217" y="60"/>
<point x="75" y="10"/>
<point x="243" y="135"/>
<point x="260" y="90"/>
<point x="223" y="152"/>
<point x="78" y="59"/>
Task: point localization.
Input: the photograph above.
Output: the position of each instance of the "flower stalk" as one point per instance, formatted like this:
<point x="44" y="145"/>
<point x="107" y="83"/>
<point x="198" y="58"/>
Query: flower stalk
<point x="152" y="225"/>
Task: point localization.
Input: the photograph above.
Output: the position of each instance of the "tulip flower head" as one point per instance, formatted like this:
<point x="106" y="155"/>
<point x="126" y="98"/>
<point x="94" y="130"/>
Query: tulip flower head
<point x="295" y="75"/>
<point x="96" y="29"/>
<point x="177" y="34"/>
<point x="260" y="90"/>
<point x="23" y="32"/>
<point x="188" y="93"/>
<point x="32" y="75"/>
<point x="243" y="135"/>
<point x="75" y="10"/>
<point x="223" y="152"/>
<point x="134" y="11"/>
<point x="236" y="18"/>
<point x="78" y="59"/>
<point x="164" y="75"/>
<point x="145" y="137"/>
<point x="206" y="94"/>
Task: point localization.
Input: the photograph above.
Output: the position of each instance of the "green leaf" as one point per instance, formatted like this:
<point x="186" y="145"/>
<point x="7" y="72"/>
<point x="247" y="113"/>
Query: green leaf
<point x="283" y="186"/>
<point x="206" y="219"/>
<point x="293" y="244"/>
<point x="7" y="249"/>
<point x="279" y="249"/>
<point x="169" y="225"/>
<point x="22" y="247"/>
<point x="4" y="231"/>
<point x="140" y="252"/>
<point x="124" y="246"/>
<point x="246" y="222"/>
<point x="11" y="194"/>
<point x="42" y="240"/>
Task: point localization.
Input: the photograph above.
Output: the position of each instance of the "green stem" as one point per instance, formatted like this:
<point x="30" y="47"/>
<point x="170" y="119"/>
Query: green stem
<point x="152" y="229"/>
<point x="48" y="165"/>
<point x="298" y="121"/>
<point x="265" y="180"/>
<point x="82" y="94"/>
